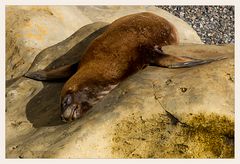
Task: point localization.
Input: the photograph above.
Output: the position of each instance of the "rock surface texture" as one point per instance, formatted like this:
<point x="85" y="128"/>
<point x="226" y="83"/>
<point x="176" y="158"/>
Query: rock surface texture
<point x="31" y="29"/>
<point x="156" y="113"/>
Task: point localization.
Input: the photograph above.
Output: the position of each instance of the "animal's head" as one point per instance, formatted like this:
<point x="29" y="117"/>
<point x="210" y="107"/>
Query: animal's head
<point x="75" y="101"/>
<point x="75" y="104"/>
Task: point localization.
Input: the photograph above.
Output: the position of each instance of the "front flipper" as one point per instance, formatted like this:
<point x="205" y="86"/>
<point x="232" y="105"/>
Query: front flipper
<point x="53" y="74"/>
<point x="170" y="61"/>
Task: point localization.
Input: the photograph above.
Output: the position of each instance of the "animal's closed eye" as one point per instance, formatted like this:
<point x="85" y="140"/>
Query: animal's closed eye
<point x="67" y="100"/>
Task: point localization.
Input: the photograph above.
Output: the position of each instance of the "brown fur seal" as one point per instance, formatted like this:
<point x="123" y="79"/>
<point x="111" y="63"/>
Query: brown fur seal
<point x="129" y="44"/>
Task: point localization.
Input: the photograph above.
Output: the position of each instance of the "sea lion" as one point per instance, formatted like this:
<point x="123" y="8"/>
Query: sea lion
<point x="129" y="44"/>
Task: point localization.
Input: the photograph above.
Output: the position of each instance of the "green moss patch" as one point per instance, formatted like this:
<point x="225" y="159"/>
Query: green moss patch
<point x="202" y="137"/>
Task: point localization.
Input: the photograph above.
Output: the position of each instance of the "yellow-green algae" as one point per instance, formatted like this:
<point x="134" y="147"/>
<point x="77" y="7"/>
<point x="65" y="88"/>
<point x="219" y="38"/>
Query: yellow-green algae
<point x="203" y="136"/>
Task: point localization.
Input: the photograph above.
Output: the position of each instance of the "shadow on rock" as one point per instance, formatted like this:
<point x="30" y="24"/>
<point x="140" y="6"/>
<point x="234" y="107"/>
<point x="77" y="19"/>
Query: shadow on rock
<point x="44" y="109"/>
<point x="12" y="81"/>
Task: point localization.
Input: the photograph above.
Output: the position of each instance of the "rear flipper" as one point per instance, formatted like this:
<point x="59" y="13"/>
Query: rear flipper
<point x="170" y="61"/>
<point x="194" y="62"/>
<point x="54" y="74"/>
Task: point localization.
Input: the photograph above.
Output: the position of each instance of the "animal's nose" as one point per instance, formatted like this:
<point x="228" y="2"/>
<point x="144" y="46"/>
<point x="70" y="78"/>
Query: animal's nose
<point x="63" y="118"/>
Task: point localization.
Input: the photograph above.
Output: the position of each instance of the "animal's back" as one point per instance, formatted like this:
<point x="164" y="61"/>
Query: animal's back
<point x="119" y="48"/>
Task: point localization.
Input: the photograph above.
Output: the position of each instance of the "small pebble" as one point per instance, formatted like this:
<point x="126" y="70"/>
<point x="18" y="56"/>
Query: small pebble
<point x="213" y="24"/>
<point x="183" y="89"/>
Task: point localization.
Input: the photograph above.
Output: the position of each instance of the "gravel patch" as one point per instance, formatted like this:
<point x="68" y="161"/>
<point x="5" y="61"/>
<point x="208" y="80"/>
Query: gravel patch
<point x="214" y="24"/>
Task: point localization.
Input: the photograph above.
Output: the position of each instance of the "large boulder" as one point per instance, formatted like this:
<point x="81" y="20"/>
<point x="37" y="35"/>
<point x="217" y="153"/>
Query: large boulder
<point x="156" y="113"/>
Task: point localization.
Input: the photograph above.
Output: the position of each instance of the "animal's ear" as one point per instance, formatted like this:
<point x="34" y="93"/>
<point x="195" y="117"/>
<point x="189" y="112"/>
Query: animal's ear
<point x="62" y="72"/>
<point x="171" y="61"/>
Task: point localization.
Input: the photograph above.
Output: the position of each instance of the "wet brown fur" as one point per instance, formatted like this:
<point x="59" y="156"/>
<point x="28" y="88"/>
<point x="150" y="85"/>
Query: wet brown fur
<point x="119" y="51"/>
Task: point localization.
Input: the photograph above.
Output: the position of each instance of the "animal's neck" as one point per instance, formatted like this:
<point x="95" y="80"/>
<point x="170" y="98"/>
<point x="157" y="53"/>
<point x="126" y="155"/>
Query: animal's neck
<point x="82" y="78"/>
